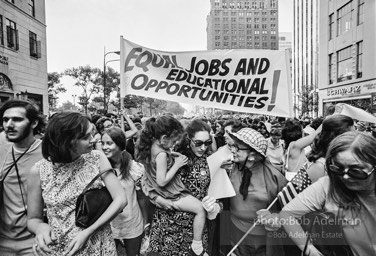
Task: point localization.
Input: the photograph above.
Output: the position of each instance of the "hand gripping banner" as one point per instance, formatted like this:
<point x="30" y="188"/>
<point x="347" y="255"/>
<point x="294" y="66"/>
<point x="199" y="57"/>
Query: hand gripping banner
<point x="250" y="81"/>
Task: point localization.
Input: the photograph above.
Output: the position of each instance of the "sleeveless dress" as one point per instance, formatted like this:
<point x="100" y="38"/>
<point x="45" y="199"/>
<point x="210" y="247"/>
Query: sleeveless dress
<point x="171" y="232"/>
<point x="174" y="190"/>
<point x="61" y="185"/>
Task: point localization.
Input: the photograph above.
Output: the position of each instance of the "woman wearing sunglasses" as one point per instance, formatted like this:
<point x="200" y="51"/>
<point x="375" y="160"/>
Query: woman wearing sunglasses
<point x="172" y="229"/>
<point x="348" y="191"/>
<point x="256" y="182"/>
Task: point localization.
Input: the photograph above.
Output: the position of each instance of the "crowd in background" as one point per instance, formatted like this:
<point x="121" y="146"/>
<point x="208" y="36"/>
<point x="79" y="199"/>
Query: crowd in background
<point x="160" y="180"/>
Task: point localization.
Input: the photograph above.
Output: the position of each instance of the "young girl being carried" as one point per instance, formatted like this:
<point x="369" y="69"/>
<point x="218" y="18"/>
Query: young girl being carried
<point x="162" y="178"/>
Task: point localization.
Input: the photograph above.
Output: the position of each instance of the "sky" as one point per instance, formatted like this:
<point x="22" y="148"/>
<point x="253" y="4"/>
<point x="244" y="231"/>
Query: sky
<point x="79" y="32"/>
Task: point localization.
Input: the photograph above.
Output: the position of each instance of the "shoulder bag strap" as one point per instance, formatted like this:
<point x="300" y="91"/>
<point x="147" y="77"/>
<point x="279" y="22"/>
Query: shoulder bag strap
<point x="14" y="161"/>
<point x="94" y="179"/>
<point x="18" y="174"/>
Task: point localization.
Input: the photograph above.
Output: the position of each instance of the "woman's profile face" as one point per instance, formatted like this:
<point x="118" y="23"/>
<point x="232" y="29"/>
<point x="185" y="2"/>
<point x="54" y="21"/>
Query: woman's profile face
<point x="227" y="130"/>
<point x="110" y="149"/>
<point x="240" y="152"/>
<point x="200" y="137"/>
<point x="85" y="144"/>
<point x="345" y="161"/>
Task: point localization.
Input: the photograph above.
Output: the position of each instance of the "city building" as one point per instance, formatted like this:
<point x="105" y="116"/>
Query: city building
<point x="23" y="57"/>
<point x="305" y="58"/>
<point x="285" y="40"/>
<point x="242" y="24"/>
<point x="347" y="53"/>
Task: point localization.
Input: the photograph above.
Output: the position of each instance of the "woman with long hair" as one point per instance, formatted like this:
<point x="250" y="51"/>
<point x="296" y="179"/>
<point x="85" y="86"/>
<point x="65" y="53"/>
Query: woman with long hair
<point x="128" y="226"/>
<point x="349" y="192"/>
<point x="331" y="127"/>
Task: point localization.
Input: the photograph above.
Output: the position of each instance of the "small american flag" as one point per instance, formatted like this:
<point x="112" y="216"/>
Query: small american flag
<point x="300" y="182"/>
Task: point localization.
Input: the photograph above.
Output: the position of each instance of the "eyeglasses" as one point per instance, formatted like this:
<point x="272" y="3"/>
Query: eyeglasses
<point x="199" y="143"/>
<point x="358" y="174"/>
<point x="236" y="148"/>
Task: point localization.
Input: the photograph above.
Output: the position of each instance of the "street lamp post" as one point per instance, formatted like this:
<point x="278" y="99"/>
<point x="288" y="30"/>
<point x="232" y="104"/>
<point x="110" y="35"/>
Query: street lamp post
<point x="74" y="101"/>
<point x="104" y="78"/>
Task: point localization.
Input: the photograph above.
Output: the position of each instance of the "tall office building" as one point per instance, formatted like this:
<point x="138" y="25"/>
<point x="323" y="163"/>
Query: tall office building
<point x="242" y="24"/>
<point x="305" y="57"/>
<point x="285" y="40"/>
<point x="23" y="58"/>
<point x="347" y="53"/>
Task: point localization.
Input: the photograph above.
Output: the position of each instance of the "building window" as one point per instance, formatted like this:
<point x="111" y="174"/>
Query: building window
<point x="217" y="44"/>
<point x="274" y="45"/>
<point x="344" y="65"/>
<point x="215" y="38"/>
<point x="31" y="8"/>
<point x="344" y="16"/>
<point x="331" y="68"/>
<point x="360" y="12"/>
<point x="257" y="32"/>
<point x="264" y="45"/>
<point x="359" y="59"/>
<point x="273" y="4"/>
<point x="257" y="45"/>
<point x="249" y="44"/>
<point x="35" y="50"/>
<point x="12" y="35"/>
<point x="1" y="31"/>
<point x="331" y="26"/>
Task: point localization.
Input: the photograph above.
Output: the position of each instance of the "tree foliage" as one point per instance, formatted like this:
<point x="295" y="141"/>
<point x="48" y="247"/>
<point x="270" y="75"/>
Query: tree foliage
<point x="54" y="88"/>
<point x="175" y="108"/>
<point x="89" y="79"/>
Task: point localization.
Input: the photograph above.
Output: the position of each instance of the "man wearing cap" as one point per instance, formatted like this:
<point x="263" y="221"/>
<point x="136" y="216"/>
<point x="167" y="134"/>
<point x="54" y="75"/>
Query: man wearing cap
<point x="256" y="182"/>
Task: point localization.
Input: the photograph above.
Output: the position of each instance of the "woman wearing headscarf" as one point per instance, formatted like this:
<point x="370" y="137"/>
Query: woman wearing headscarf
<point x="256" y="182"/>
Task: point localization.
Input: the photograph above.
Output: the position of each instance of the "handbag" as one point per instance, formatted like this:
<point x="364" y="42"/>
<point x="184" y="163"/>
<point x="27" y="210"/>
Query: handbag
<point x="92" y="203"/>
<point x="325" y="233"/>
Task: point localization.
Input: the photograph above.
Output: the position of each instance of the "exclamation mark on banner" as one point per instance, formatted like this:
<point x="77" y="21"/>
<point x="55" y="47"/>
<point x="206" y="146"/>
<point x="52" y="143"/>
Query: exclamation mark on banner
<point x="276" y="75"/>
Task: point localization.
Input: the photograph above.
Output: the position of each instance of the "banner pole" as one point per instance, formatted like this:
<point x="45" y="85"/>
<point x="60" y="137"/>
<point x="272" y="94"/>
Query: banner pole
<point x="250" y="229"/>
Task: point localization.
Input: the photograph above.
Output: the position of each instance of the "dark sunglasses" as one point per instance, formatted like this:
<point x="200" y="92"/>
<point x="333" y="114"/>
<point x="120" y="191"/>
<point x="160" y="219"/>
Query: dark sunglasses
<point x="199" y="143"/>
<point x="354" y="173"/>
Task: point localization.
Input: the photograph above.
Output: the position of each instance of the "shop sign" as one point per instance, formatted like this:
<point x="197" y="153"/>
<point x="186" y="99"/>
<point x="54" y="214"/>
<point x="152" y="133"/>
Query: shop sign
<point x="352" y="90"/>
<point x="361" y="88"/>
<point x="3" y="60"/>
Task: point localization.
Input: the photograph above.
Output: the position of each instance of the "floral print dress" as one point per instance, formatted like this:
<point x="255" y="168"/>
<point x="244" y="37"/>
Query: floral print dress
<point x="61" y="185"/>
<point x="172" y="231"/>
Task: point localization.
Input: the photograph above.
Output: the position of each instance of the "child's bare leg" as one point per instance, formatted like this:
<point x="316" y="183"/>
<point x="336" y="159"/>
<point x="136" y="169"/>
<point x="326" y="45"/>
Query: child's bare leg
<point x="193" y="205"/>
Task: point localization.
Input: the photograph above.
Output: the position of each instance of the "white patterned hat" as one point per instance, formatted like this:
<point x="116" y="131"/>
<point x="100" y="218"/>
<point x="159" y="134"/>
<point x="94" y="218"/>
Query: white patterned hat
<point x="252" y="138"/>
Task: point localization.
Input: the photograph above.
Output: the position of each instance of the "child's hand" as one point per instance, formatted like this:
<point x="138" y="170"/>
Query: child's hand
<point x="180" y="160"/>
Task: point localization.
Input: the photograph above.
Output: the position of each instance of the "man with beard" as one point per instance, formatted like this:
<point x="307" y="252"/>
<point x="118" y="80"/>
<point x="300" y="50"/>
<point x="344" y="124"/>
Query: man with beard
<point x="21" y="120"/>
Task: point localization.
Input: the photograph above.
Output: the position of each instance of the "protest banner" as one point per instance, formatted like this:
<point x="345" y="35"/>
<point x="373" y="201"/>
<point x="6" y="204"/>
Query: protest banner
<point x="250" y="81"/>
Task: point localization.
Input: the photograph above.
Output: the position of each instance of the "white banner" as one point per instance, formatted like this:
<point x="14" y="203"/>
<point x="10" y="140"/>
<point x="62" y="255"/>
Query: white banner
<point x="251" y="81"/>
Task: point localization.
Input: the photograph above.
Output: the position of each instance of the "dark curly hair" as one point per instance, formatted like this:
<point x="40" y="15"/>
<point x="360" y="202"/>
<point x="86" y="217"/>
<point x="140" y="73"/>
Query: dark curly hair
<point x="331" y="128"/>
<point x="291" y="131"/>
<point x="32" y="113"/>
<point x="154" y="129"/>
